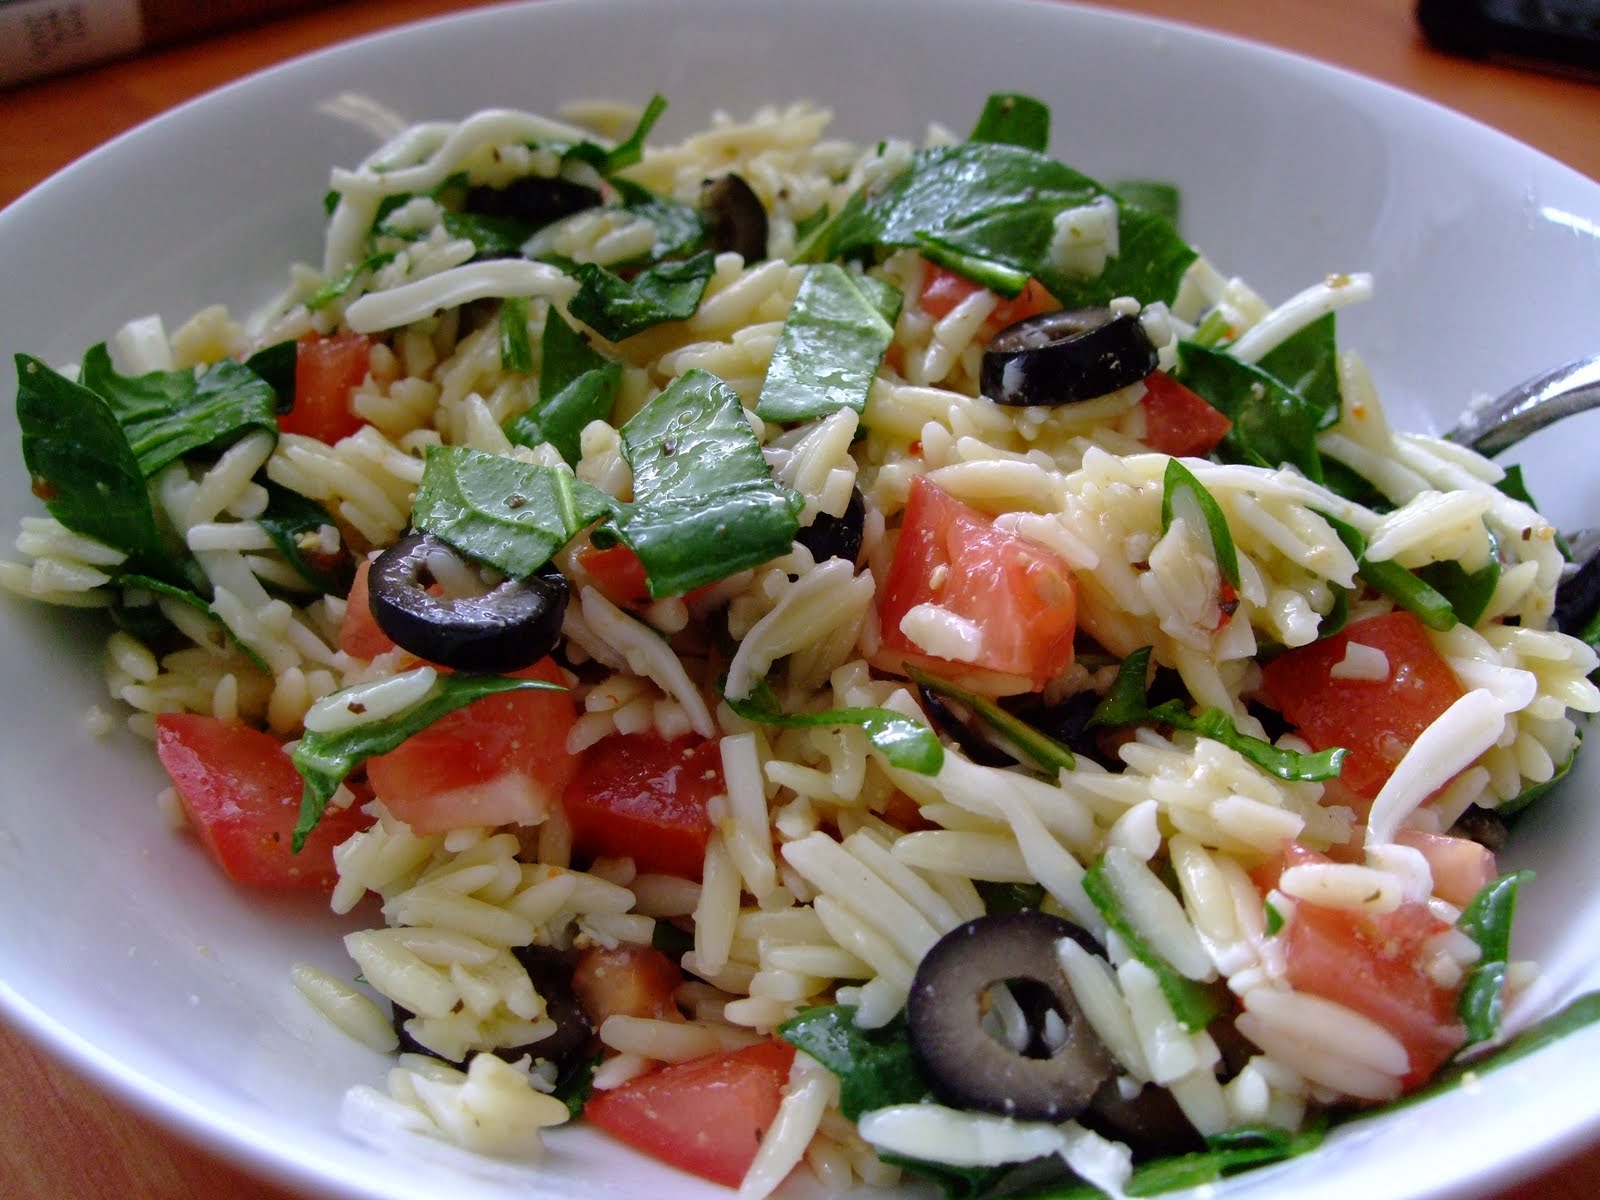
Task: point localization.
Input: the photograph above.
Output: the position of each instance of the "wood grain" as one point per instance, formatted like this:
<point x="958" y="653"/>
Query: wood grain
<point x="71" y="1141"/>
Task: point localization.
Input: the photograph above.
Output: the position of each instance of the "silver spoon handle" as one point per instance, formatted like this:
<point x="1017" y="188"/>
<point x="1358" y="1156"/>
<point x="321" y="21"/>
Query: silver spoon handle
<point x="1530" y="406"/>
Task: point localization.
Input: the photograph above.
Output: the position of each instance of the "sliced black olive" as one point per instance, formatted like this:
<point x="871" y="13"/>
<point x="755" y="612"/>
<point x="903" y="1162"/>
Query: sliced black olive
<point x="1061" y="357"/>
<point x="533" y="200"/>
<point x="735" y="219"/>
<point x="970" y="742"/>
<point x="1151" y="1123"/>
<point x="551" y="972"/>
<point x="1484" y="826"/>
<point x="965" y="1065"/>
<point x="836" y="537"/>
<point x="508" y="627"/>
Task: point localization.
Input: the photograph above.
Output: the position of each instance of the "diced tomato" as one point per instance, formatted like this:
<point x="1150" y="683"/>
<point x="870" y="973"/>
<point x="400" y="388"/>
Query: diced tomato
<point x="630" y="981"/>
<point x="326" y="371"/>
<point x="359" y="634"/>
<point x="618" y="573"/>
<point x="1372" y="963"/>
<point x="1018" y="596"/>
<point x="1461" y="867"/>
<point x="706" y="1116"/>
<point x="500" y="760"/>
<point x="1177" y="421"/>
<point x="943" y="289"/>
<point x="241" y="794"/>
<point x="1375" y="719"/>
<point x="642" y="797"/>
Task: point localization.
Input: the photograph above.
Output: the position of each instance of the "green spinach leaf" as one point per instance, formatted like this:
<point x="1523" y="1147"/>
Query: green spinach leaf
<point x="1153" y="195"/>
<point x="1487" y="921"/>
<point x="1014" y="119"/>
<point x="1180" y="488"/>
<point x="88" y="475"/>
<point x="618" y="308"/>
<point x="577" y="385"/>
<point x="496" y="510"/>
<point x="1193" y="1004"/>
<point x="1273" y="425"/>
<point x="1406" y="588"/>
<point x="1125" y="704"/>
<point x="830" y="346"/>
<point x="516" y="351"/>
<point x="290" y="520"/>
<point x="705" y="504"/>
<point x="167" y="414"/>
<point x="905" y="742"/>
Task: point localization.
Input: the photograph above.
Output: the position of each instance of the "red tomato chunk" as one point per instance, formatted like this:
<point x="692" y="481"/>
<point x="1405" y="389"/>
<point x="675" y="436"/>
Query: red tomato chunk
<point x="1377" y="720"/>
<point x="359" y="634"/>
<point x="241" y="794"/>
<point x="943" y="290"/>
<point x="1177" y="421"/>
<point x="645" y="798"/>
<point x="1018" y="595"/>
<point x="326" y="371"/>
<point x="1372" y="963"/>
<point x="707" y="1115"/>
<point x="500" y="760"/>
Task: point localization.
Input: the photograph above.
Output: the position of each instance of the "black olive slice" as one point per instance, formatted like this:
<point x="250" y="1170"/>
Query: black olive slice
<point x="1150" y="1123"/>
<point x="504" y="629"/>
<point x="836" y="537"/>
<point x="966" y="1066"/>
<point x="1062" y="357"/>
<point x="551" y="972"/>
<point x="533" y="200"/>
<point x="735" y="218"/>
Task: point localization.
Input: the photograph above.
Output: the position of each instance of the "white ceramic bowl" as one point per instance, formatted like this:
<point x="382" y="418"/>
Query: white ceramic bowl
<point x="123" y="950"/>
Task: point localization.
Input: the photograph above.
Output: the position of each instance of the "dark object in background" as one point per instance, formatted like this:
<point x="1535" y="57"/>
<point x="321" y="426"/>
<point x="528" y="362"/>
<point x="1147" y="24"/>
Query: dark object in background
<point x="49" y="37"/>
<point x="1562" y="36"/>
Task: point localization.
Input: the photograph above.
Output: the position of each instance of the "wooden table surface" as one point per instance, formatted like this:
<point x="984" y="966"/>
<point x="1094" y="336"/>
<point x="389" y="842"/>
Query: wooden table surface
<point x="69" y="1141"/>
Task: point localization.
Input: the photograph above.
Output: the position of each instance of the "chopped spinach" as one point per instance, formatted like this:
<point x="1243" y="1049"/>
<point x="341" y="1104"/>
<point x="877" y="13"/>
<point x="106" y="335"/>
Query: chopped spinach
<point x="167" y="414"/>
<point x="87" y="473"/>
<point x="1179" y="483"/>
<point x="1273" y="425"/>
<point x="516" y="351"/>
<point x="333" y="289"/>
<point x="1487" y="921"/>
<point x="1126" y="704"/>
<point x="577" y="385"/>
<point x="511" y="515"/>
<point x="324" y="759"/>
<point x="1406" y="588"/>
<point x="830" y="346"/>
<point x="1015" y="119"/>
<point x="1193" y="1004"/>
<point x="992" y="206"/>
<point x="905" y="742"/>
<point x="1152" y="195"/>
<point x="618" y="308"/>
<point x="705" y="504"/>
<point x="289" y="519"/>
<point x="1048" y="753"/>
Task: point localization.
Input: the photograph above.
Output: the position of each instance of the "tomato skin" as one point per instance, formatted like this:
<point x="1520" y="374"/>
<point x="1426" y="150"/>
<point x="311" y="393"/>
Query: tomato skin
<point x="1020" y="595"/>
<point x="640" y="796"/>
<point x="630" y="981"/>
<point x="326" y="370"/>
<point x="500" y="760"/>
<point x="1377" y="720"/>
<point x="359" y="635"/>
<point x="1371" y="964"/>
<point x="241" y="794"/>
<point x="706" y="1116"/>
<point x="943" y="289"/>
<point x="618" y="573"/>
<point x="1177" y="421"/>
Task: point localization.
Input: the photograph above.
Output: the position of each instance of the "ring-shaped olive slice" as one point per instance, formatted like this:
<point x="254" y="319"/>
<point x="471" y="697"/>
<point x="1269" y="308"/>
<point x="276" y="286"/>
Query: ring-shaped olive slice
<point x="1063" y="357"/>
<point x="510" y="626"/>
<point x="966" y="1066"/>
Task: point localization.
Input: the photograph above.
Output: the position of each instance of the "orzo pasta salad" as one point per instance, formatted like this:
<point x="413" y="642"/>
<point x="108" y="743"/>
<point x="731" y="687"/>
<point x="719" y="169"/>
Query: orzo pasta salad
<point x="877" y="661"/>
